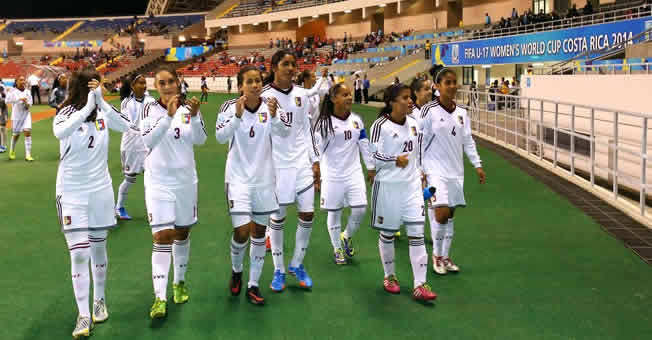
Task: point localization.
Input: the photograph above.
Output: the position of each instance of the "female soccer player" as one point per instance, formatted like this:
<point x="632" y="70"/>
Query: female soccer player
<point x="4" y="116"/>
<point x="204" y="90"/>
<point x="132" y="149"/>
<point x="446" y="136"/>
<point x="295" y="178"/>
<point x="170" y="129"/>
<point x="421" y="95"/>
<point x="248" y="124"/>
<point x="396" y="195"/>
<point x="84" y="190"/>
<point x="340" y="137"/>
<point x="59" y="91"/>
<point x="314" y="90"/>
<point x="21" y="119"/>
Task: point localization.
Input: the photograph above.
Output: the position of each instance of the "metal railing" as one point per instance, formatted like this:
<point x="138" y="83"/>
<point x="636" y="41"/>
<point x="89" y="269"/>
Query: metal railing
<point x="572" y="69"/>
<point x="602" y="150"/>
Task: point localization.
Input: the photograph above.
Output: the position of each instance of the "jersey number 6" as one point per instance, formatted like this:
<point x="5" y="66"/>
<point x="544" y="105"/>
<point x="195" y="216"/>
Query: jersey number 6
<point x="252" y="133"/>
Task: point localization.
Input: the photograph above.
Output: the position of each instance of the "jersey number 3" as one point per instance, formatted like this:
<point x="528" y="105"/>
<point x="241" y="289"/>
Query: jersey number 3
<point x="177" y="133"/>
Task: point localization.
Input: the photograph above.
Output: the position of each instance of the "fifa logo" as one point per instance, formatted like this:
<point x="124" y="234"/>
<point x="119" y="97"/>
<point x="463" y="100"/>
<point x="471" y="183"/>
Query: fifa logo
<point x="455" y="54"/>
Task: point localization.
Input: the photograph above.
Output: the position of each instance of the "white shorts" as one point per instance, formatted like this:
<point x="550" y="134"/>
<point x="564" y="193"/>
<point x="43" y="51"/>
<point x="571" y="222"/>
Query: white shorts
<point x="133" y="162"/>
<point x="250" y="202"/>
<point x="296" y="185"/>
<point x="394" y="204"/>
<point x="21" y="124"/>
<point x="450" y="191"/>
<point x="336" y="195"/>
<point x="169" y="208"/>
<point x="86" y="211"/>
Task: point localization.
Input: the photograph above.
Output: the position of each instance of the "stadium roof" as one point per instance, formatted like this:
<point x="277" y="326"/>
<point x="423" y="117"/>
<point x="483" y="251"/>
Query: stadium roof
<point x="159" y="7"/>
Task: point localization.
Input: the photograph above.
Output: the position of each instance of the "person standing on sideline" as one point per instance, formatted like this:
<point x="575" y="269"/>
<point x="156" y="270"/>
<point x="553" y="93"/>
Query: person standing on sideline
<point x="366" y="84"/>
<point x="21" y="117"/>
<point x="357" y="84"/>
<point x="34" y="81"/>
<point x="428" y="47"/>
<point x="59" y="91"/>
<point x="4" y="116"/>
<point x="229" y="82"/>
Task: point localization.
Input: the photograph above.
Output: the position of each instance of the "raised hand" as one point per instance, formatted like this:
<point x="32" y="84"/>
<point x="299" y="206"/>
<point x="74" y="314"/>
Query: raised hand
<point x="194" y="106"/>
<point x="173" y="105"/>
<point x="272" y="106"/>
<point x="240" y="106"/>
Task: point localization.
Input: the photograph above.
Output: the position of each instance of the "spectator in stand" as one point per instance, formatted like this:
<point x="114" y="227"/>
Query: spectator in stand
<point x="588" y="8"/>
<point x="487" y="20"/>
<point x="396" y="81"/>
<point x="345" y="37"/>
<point x="229" y="83"/>
<point x="365" y="89"/>
<point x="514" y="13"/>
<point x="428" y="48"/>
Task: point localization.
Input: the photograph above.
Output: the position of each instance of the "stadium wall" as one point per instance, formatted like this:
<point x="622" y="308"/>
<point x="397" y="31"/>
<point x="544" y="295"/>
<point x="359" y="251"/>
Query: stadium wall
<point x="420" y="16"/>
<point x="351" y="23"/>
<point x="260" y="35"/>
<point x="474" y="11"/>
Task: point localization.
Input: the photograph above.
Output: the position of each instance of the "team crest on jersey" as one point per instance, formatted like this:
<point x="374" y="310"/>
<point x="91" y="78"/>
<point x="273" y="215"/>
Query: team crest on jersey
<point x="186" y="118"/>
<point x="297" y="100"/>
<point x="461" y="120"/>
<point x="355" y="125"/>
<point x="67" y="220"/>
<point x="380" y="220"/>
<point x="99" y="124"/>
<point x="414" y="131"/>
<point x="262" y="117"/>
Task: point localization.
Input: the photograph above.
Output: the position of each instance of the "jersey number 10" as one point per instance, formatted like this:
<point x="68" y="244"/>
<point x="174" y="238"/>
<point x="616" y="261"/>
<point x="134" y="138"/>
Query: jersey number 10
<point x="348" y="135"/>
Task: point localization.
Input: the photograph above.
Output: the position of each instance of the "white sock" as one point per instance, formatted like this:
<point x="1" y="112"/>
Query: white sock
<point x="257" y="252"/>
<point x="237" y="255"/>
<point x="357" y="214"/>
<point x="28" y="146"/>
<point x="161" y="258"/>
<point x="276" y="239"/>
<point x="333" y="222"/>
<point x="180" y="255"/>
<point x="448" y="238"/>
<point x="79" y="256"/>
<point x="437" y="231"/>
<point x="419" y="260"/>
<point x="123" y="191"/>
<point x="267" y="232"/>
<point x="99" y="264"/>
<point x="13" y="143"/>
<point x="387" y="252"/>
<point x="304" y="228"/>
<point x="3" y="136"/>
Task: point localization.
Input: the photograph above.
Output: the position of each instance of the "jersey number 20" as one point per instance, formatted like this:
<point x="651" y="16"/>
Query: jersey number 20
<point x="407" y="146"/>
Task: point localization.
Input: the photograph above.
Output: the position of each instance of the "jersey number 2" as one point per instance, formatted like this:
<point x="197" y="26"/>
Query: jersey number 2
<point x="91" y="139"/>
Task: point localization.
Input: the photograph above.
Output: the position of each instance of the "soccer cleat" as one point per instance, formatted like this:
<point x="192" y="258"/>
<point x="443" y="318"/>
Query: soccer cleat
<point x="438" y="265"/>
<point x="391" y="285"/>
<point x="29" y="159"/>
<point x="159" y="309"/>
<point x="3" y="149"/>
<point x="268" y="244"/>
<point x="12" y="155"/>
<point x="349" y="250"/>
<point x="397" y="234"/>
<point x="339" y="257"/>
<point x="450" y="266"/>
<point x="82" y="328"/>
<point x="300" y="272"/>
<point x="278" y="282"/>
<point x="121" y="213"/>
<point x="100" y="313"/>
<point x="253" y="293"/>
<point x="235" y="284"/>
<point x="424" y="293"/>
<point x="180" y="292"/>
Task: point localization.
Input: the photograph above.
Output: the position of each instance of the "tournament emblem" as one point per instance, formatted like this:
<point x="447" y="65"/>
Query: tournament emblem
<point x="149" y="216"/>
<point x="355" y="125"/>
<point x="186" y="118"/>
<point x="461" y="120"/>
<point x="67" y="220"/>
<point x="414" y="131"/>
<point x="262" y="117"/>
<point x="99" y="124"/>
<point x="297" y="100"/>
<point x="231" y="204"/>
<point x="380" y="220"/>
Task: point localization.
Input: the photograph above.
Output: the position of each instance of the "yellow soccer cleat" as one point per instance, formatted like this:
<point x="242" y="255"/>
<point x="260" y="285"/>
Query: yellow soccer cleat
<point x="12" y="155"/>
<point x="29" y="159"/>
<point x="159" y="309"/>
<point x="82" y="328"/>
<point x="180" y="292"/>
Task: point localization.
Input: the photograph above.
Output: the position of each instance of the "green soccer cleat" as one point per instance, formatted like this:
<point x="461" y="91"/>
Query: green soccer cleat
<point x="180" y="292"/>
<point x="159" y="309"/>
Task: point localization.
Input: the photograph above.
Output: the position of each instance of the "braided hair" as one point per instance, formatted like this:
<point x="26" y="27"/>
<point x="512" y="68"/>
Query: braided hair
<point x="324" y="123"/>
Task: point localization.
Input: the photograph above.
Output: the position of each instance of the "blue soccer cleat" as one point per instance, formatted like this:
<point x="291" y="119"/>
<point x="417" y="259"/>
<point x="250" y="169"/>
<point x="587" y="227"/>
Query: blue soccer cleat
<point x="300" y="272"/>
<point x="3" y="149"/>
<point x="278" y="283"/>
<point x="121" y="213"/>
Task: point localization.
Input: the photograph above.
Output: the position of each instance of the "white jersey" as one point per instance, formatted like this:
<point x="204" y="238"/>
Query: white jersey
<point x="446" y="136"/>
<point x="131" y="106"/>
<point x="295" y="150"/>
<point x="169" y="141"/>
<point x="19" y="110"/>
<point x="84" y="148"/>
<point x="390" y="140"/>
<point x="416" y="115"/>
<point x="249" y="161"/>
<point x="339" y="152"/>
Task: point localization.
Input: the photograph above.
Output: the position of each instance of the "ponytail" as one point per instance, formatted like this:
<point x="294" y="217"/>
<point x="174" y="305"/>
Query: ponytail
<point x="125" y="89"/>
<point x="324" y="123"/>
